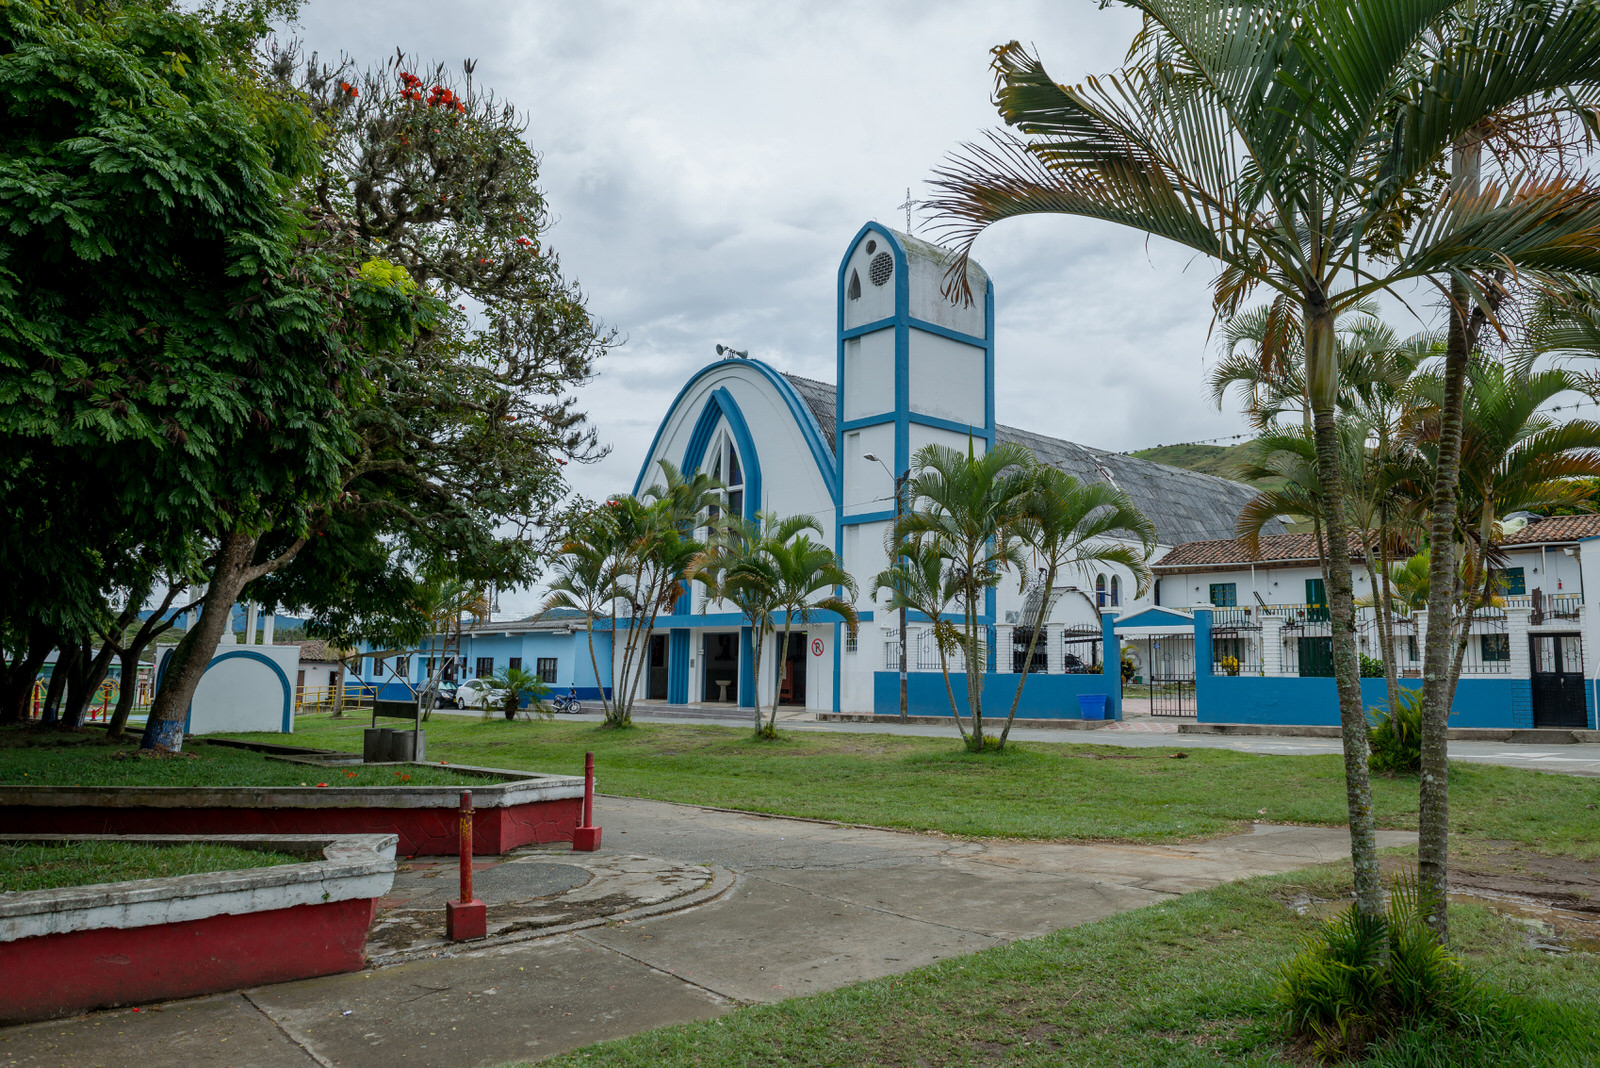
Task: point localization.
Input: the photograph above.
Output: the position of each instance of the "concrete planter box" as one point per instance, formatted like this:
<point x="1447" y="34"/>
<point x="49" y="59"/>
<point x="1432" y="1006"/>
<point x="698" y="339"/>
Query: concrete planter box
<point x="87" y="947"/>
<point x="527" y="809"/>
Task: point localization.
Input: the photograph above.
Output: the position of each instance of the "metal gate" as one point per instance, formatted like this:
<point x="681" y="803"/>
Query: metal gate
<point x="1168" y="673"/>
<point x="1558" y="682"/>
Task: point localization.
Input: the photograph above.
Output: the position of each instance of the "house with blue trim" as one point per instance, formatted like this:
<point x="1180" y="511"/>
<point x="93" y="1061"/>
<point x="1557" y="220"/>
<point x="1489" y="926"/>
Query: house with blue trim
<point x="911" y="368"/>
<point x="555" y="648"/>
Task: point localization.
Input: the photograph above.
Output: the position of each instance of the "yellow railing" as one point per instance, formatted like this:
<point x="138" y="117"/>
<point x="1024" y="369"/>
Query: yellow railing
<point x="336" y="699"/>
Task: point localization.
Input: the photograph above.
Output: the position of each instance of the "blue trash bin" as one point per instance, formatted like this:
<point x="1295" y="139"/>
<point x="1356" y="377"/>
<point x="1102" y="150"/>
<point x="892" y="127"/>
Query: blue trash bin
<point x="1093" y="705"/>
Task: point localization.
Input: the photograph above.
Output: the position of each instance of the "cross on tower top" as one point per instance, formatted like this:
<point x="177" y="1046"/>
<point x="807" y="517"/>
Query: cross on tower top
<point x="908" y="205"/>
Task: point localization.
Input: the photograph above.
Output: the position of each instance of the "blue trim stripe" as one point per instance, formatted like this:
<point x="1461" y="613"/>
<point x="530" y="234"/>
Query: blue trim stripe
<point x="821" y="453"/>
<point x="721" y="407"/>
<point x="678" y="666"/>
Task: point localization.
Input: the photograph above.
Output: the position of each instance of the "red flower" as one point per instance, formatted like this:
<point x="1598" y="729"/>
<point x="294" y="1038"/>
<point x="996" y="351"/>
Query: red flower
<point x="322" y="784"/>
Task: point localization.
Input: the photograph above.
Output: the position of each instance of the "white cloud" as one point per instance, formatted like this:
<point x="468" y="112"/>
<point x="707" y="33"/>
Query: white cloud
<point x="706" y="164"/>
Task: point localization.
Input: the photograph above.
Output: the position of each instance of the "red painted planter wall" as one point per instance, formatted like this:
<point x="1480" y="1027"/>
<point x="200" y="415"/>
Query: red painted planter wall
<point x="64" y="974"/>
<point x="422" y="831"/>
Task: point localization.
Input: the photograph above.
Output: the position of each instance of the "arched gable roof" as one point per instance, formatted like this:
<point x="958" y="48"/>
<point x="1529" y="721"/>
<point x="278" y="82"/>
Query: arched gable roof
<point x="818" y="443"/>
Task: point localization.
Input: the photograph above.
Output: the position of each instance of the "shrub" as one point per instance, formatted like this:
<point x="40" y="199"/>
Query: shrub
<point x="1396" y="735"/>
<point x="1363" y="978"/>
<point x="1371" y="666"/>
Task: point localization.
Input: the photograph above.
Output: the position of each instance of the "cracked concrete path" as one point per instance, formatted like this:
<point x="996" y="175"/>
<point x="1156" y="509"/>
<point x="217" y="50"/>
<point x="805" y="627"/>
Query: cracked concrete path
<point x="811" y="906"/>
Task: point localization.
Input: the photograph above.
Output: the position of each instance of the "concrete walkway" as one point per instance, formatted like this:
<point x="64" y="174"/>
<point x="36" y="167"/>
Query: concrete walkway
<point x="805" y="907"/>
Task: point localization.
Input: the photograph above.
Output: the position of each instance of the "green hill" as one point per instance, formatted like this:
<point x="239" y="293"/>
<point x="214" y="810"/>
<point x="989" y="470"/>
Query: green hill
<point x="1223" y="460"/>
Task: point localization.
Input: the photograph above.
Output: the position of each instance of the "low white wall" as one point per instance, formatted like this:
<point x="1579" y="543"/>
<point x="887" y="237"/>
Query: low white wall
<point x="245" y="688"/>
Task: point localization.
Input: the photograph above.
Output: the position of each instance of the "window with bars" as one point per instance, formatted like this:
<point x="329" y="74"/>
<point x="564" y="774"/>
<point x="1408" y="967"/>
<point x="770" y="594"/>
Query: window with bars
<point x="1224" y="594"/>
<point x="515" y="663"/>
<point x="402" y="667"/>
<point x="485" y="667"/>
<point x="546" y="668"/>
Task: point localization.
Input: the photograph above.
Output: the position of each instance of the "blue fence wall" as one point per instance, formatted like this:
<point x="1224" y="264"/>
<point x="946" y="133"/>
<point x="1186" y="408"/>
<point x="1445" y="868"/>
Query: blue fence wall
<point x="1314" y="702"/>
<point x="1044" y="697"/>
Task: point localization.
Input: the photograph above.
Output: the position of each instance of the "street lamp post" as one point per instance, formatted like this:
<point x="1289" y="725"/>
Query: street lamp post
<point x="899" y="499"/>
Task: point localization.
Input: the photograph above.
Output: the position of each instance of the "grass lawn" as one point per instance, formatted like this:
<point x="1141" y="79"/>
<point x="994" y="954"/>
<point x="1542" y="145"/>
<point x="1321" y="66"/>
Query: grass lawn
<point x="40" y="866"/>
<point x="1184" y="983"/>
<point x="1036" y="790"/>
<point x="29" y="757"/>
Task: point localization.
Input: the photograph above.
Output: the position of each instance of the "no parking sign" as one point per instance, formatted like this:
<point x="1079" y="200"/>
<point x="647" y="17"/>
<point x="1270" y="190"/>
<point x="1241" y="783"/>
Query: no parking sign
<point x="816" y="646"/>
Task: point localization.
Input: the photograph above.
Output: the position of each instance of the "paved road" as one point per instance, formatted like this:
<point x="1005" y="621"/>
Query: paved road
<point x="812" y="906"/>
<point x="1582" y="759"/>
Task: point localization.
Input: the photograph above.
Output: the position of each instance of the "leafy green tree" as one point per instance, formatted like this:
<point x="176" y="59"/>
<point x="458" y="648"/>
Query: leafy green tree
<point x="1071" y="526"/>
<point x="172" y="326"/>
<point x="1302" y="146"/>
<point x="969" y="509"/>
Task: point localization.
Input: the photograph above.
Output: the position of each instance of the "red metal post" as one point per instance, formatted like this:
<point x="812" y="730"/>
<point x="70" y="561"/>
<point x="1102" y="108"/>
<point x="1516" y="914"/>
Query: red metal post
<point x="465" y="838"/>
<point x="586" y="837"/>
<point x="469" y="917"/>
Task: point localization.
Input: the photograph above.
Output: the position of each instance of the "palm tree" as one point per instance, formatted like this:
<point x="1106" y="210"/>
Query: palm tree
<point x="772" y="569"/>
<point x="1297" y="144"/>
<point x="967" y="508"/>
<point x="1070" y="526"/>
<point x="444" y="600"/>
<point x="653" y="547"/>
<point x="919" y="581"/>
<point x="1514" y="456"/>
<point x="516" y="686"/>
<point x="586" y="581"/>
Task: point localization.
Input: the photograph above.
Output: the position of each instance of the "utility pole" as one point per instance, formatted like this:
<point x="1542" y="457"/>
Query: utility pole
<point x="899" y="503"/>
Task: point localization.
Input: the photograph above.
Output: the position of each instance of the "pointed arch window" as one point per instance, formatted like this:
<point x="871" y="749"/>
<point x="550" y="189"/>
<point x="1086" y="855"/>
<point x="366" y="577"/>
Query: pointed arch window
<point x="854" y="291"/>
<point x="1116" y="590"/>
<point x="726" y="469"/>
<point x="1100" y="590"/>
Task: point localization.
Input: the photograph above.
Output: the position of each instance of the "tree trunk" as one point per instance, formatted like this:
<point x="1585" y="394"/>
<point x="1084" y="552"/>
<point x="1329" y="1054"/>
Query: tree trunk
<point x="88" y="687"/>
<point x="974" y="668"/>
<point x="1322" y="372"/>
<point x="1027" y="660"/>
<point x="22" y="675"/>
<point x="163" y="731"/>
<point x="66" y="655"/>
<point x="600" y="684"/>
<point x="950" y="692"/>
<point x="783" y="672"/>
<point x="128" y="693"/>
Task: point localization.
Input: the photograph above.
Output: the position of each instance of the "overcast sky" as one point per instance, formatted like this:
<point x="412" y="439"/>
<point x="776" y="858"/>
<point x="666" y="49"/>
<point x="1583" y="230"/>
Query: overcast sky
<point x="706" y="164"/>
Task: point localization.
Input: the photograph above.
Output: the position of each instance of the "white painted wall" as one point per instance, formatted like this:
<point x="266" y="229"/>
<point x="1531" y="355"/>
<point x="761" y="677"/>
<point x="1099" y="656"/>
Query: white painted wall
<point x="869" y="374"/>
<point x="947" y="378"/>
<point x="240" y="693"/>
<point x="876" y="301"/>
<point x="790" y="481"/>
<point x="928" y="302"/>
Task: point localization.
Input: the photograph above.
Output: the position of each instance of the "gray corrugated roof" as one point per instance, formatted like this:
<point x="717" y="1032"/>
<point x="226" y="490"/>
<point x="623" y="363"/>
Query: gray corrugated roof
<point x="1184" y="505"/>
<point x="822" y="399"/>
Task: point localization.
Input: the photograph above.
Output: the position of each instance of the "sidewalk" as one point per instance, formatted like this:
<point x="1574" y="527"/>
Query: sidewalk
<point x="790" y="907"/>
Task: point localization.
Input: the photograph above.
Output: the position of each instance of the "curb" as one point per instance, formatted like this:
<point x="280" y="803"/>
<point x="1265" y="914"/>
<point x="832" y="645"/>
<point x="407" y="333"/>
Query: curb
<point x="722" y="880"/>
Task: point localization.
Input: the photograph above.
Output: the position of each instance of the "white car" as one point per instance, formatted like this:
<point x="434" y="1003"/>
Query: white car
<point x="479" y="693"/>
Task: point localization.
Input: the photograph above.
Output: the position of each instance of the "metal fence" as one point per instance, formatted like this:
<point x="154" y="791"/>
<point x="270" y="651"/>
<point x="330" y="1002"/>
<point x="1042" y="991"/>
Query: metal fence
<point x="1082" y="650"/>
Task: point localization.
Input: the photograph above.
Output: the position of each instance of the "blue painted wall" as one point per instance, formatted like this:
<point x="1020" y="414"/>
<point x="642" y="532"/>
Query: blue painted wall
<point x="570" y="651"/>
<point x="1499" y="702"/>
<point x="1480" y="702"/>
<point x="1044" y="697"/>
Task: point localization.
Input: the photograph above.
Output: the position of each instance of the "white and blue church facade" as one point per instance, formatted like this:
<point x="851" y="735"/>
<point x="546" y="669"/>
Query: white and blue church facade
<point x="911" y="368"/>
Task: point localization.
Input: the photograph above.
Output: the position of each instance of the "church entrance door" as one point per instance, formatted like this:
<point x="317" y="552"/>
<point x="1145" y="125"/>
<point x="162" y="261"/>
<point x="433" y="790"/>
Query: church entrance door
<point x="721" y="653"/>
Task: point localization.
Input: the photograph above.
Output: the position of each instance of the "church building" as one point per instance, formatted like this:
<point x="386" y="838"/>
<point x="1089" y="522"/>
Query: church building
<point x="911" y="368"/>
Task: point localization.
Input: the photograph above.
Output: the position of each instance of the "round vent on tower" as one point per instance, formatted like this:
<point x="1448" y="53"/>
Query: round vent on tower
<point x="881" y="268"/>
